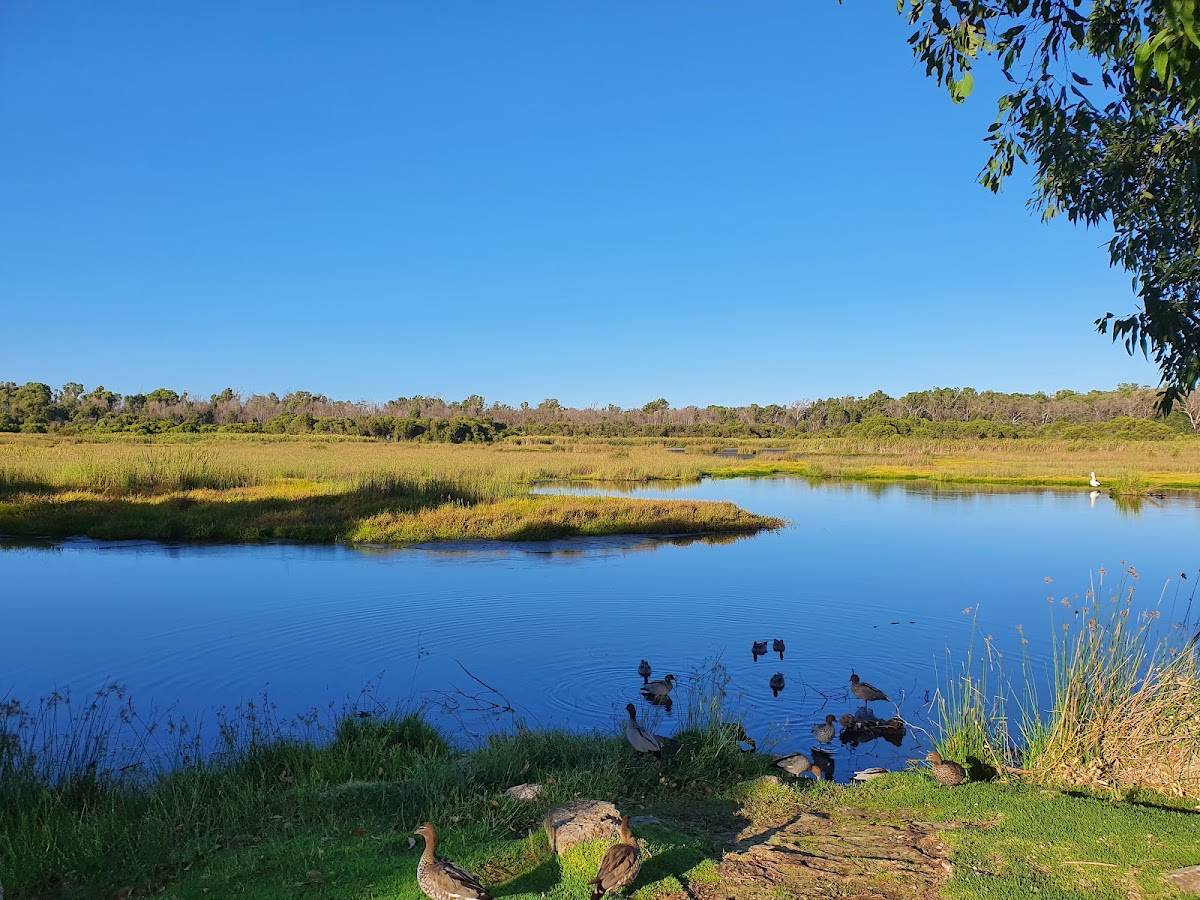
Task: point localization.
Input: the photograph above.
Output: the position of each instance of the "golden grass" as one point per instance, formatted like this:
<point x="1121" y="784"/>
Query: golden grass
<point x="120" y="464"/>
<point x="251" y="488"/>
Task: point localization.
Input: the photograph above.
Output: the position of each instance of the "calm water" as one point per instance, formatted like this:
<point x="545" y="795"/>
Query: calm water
<point x="871" y="578"/>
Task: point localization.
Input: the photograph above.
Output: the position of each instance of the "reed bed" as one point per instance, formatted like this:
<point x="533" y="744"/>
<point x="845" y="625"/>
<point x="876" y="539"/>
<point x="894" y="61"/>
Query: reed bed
<point x="119" y="466"/>
<point x="1120" y="712"/>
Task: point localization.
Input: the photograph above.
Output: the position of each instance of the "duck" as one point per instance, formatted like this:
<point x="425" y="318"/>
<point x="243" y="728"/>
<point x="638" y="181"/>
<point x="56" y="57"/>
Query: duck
<point x="1092" y="482"/>
<point x="865" y="692"/>
<point x="639" y="738"/>
<point x="778" y="646"/>
<point x="824" y="731"/>
<point x="644" y="670"/>
<point x="758" y="648"/>
<point x="440" y="879"/>
<point x="620" y="864"/>
<point x="794" y="764"/>
<point x="823" y="760"/>
<point x="946" y="772"/>
<point x="776" y="683"/>
<point x="656" y="690"/>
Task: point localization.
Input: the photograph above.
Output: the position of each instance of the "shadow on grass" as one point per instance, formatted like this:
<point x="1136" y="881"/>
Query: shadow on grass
<point x="539" y="880"/>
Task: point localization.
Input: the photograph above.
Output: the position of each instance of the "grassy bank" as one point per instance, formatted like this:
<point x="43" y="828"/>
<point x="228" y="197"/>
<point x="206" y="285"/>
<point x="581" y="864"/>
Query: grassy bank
<point x="284" y="818"/>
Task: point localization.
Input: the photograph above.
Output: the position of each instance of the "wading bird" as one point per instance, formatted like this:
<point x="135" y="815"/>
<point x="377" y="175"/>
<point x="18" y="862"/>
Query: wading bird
<point x="1092" y="482"/>
<point x="443" y="880"/>
<point x="865" y="692"/>
<point x="639" y="738"/>
<point x="644" y="670"/>
<point x="620" y="864"/>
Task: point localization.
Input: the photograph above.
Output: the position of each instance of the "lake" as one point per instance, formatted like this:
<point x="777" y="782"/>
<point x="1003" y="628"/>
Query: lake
<point x="882" y="579"/>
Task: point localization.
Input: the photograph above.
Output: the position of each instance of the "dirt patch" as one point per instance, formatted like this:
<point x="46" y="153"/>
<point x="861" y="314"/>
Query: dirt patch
<point x="846" y="854"/>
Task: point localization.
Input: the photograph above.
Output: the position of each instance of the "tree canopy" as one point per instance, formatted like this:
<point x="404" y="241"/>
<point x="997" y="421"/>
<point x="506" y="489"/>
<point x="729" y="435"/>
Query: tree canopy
<point x="1101" y="101"/>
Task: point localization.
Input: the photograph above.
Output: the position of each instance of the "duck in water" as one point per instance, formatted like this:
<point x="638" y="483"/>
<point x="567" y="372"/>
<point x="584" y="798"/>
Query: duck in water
<point x="824" y="731"/>
<point x="778" y="646"/>
<point x="757" y="649"/>
<point x="644" y="670"/>
<point x="440" y="879"/>
<point x="776" y="683"/>
<point x="620" y="864"/>
<point x="658" y="690"/>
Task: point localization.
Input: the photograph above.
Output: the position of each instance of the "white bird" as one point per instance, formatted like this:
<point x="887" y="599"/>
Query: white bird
<point x="1094" y="483"/>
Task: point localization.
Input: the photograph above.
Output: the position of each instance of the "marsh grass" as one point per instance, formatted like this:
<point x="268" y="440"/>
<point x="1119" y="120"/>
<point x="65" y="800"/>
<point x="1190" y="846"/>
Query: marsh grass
<point x="1121" y="713"/>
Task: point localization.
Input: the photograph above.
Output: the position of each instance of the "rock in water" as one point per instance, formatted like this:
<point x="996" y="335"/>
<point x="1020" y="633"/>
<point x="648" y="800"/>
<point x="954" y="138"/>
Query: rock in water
<point x="580" y="820"/>
<point x="526" y="792"/>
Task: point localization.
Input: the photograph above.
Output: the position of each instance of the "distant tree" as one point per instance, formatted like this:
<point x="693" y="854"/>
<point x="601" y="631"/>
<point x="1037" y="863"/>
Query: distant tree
<point x="32" y="402"/>
<point x="1124" y="152"/>
<point x="656" y="406"/>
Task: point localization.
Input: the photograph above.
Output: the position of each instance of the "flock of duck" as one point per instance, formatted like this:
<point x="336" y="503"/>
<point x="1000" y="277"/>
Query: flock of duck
<point x="441" y="879"/>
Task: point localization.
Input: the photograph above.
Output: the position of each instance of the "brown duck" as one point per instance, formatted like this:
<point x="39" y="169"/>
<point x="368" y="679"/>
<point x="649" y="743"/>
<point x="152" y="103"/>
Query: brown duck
<point x="620" y="864"/>
<point x="443" y="880"/>
<point x="644" y="670"/>
<point x="824" y="732"/>
<point x="657" y="690"/>
<point x="946" y="772"/>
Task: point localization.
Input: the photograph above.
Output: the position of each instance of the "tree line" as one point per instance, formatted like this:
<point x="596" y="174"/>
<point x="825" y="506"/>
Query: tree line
<point x="1127" y="411"/>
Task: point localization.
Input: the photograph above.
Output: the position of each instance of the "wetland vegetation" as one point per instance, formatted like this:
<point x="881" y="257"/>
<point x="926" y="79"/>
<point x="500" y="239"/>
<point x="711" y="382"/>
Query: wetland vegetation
<point x="320" y="489"/>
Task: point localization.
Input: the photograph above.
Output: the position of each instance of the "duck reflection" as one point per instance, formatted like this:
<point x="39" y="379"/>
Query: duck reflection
<point x="857" y="730"/>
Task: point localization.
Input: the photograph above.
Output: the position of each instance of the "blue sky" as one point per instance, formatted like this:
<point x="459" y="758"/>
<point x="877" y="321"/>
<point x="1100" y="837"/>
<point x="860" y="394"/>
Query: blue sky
<point x="599" y="202"/>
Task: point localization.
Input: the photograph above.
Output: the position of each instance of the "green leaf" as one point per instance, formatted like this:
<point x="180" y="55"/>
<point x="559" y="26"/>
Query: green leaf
<point x="961" y="89"/>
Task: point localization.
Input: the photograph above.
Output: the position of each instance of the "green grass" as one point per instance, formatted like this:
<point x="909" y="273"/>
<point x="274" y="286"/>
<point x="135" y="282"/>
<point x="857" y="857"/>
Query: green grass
<point x="1025" y="841"/>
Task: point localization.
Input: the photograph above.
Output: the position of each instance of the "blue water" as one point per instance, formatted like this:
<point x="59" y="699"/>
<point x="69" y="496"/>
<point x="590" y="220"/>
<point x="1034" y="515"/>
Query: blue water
<point x="874" y="578"/>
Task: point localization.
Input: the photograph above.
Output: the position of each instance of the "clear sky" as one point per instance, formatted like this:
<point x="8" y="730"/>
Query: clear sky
<point x="596" y="201"/>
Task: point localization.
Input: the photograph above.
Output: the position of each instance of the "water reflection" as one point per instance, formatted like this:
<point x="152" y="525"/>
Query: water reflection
<point x="559" y="628"/>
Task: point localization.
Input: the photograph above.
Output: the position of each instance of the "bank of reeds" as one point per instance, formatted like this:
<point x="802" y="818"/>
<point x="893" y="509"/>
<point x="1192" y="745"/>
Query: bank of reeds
<point x="1118" y="710"/>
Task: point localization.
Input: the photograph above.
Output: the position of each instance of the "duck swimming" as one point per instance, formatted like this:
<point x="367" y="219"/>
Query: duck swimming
<point x="658" y="690"/>
<point x="824" y="731"/>
<point x="778" y="646"/>
<point x="757" y="649"/>
<point x="776" y="683"/>
<point x="644" y="670"/>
